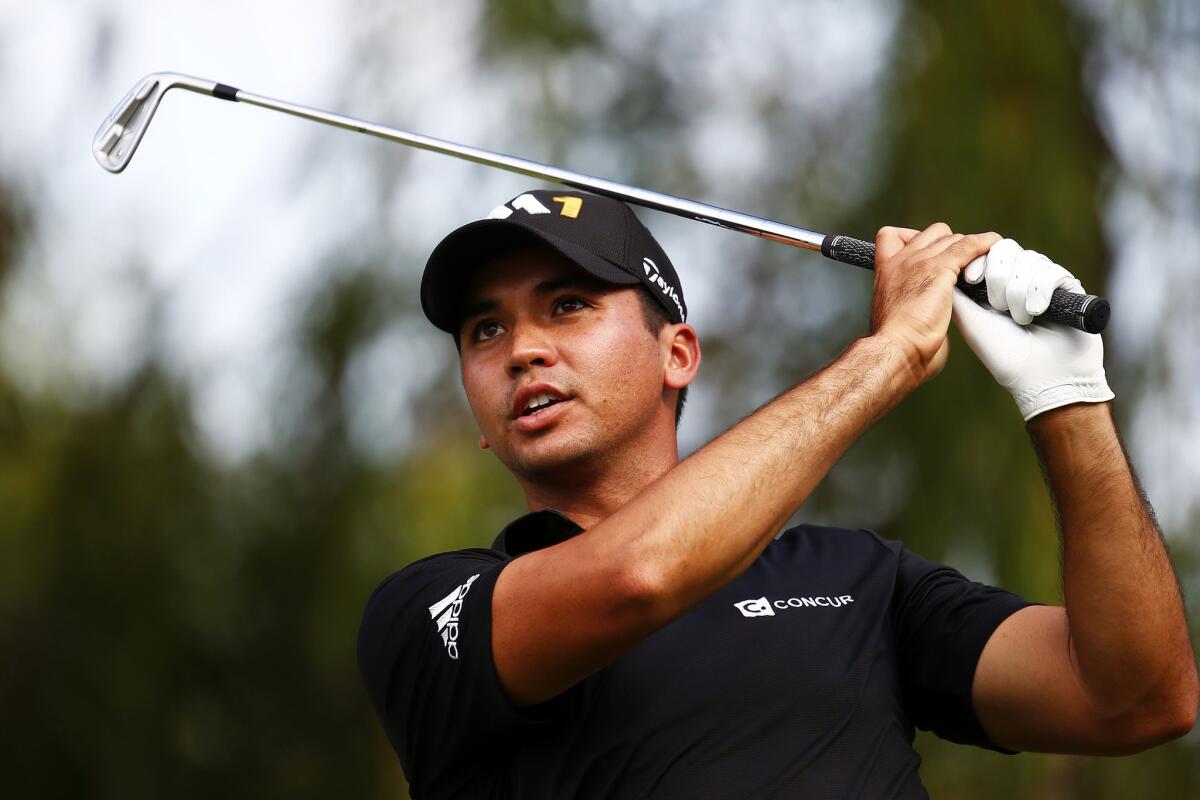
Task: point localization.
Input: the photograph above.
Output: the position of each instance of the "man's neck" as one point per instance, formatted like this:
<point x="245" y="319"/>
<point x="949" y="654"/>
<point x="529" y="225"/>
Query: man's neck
<point x="595" y="497"/>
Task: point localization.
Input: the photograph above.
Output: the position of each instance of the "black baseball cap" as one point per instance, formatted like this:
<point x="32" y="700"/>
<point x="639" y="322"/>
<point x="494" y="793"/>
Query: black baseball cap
<point x="599" y="234"/>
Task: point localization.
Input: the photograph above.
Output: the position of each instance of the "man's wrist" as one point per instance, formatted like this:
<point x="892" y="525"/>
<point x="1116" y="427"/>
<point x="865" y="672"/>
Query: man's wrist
<point x="901" y="361"/>
<point x="1062" y="392"/>
<point x="1070" y="421"/>
<point x="889" y="367"/>
<point x="1077" y="438"/>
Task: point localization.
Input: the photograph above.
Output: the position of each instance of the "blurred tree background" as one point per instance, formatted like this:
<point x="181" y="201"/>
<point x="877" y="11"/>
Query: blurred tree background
<point x="176" y="620"/>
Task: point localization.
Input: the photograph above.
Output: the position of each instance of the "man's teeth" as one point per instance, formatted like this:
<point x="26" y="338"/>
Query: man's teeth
<point x="538" y="401"/>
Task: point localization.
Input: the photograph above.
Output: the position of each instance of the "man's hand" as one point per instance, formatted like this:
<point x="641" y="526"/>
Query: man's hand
<point x="1042" y="366"/>
<point x="915" y="273"/>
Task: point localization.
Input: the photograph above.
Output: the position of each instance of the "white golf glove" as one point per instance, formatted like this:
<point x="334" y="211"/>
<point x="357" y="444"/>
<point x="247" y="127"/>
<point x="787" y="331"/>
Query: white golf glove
<point x="1042" y="366"/>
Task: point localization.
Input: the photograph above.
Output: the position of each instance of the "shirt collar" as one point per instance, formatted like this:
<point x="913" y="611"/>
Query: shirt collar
<point x="534" y="531"/>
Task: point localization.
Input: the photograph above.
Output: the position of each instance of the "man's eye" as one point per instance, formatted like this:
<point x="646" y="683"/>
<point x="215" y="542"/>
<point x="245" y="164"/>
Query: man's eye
<point x="565" y="304"/>
<point x="488" y="329"/>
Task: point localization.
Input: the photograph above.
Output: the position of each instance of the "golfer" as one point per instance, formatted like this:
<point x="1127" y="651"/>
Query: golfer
<point x="646" y="631"/>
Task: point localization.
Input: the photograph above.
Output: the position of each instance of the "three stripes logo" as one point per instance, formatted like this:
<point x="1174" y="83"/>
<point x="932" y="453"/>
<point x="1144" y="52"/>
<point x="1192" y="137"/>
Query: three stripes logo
<point x="445" y="614"/>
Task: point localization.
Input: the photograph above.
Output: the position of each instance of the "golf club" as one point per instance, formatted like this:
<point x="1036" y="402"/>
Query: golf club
<point x="121" y="132"/>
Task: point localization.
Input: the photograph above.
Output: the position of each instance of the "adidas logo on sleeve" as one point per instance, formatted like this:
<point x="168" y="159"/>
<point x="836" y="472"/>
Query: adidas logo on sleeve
<point x="445" y="614"/>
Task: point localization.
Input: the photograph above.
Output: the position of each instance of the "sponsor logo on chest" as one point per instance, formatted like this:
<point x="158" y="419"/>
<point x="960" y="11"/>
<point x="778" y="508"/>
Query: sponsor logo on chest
<point x="762" y="607"/>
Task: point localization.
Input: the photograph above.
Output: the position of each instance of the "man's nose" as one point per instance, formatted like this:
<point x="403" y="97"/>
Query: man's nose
<point x="531" y="346"/>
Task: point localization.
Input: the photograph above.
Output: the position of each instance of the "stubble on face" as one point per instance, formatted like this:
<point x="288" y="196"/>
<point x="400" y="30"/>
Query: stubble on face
<point x="600" y="355"/>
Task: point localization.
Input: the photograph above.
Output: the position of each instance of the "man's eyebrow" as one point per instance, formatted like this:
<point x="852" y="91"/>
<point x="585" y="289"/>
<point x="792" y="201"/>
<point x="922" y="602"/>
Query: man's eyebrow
<point x="580" y="282"/>
<point x="478" y="307"/>
<point x="549" y="286"/>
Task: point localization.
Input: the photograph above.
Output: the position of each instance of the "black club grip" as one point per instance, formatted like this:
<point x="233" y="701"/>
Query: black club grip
<point x="1085" y="312"/>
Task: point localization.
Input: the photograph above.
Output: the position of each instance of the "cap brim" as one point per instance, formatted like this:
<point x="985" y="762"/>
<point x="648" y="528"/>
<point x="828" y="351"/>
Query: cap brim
<point x="454" y="261"/>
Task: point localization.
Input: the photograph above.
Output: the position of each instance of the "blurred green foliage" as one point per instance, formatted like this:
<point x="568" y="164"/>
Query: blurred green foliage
<point x="173" y="626"/>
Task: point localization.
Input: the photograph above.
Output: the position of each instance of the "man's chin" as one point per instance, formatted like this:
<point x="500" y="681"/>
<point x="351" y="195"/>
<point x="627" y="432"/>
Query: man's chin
<point x="551" y="462"/>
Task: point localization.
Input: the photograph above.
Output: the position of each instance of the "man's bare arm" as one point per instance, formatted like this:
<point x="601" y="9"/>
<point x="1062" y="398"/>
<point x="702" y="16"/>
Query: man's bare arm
<point x="560" y="613"/>
<point x="1114" y="671"/>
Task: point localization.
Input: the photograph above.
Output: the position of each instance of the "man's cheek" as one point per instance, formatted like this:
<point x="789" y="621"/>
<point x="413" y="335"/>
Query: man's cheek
<point x="488" y="413"/>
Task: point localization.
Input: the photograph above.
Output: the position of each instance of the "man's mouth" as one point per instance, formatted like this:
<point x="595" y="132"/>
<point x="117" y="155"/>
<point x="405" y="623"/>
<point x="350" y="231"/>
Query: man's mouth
<point x="539" y="401"/>
<point x="535" y="403"/>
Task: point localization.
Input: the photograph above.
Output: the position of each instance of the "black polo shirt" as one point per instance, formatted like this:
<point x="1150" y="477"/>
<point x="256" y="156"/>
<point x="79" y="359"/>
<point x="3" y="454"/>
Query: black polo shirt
<point x="804" y="677"/>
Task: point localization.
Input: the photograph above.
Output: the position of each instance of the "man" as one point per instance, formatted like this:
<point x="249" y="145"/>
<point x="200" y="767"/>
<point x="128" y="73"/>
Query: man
<point x="643" y="633"/>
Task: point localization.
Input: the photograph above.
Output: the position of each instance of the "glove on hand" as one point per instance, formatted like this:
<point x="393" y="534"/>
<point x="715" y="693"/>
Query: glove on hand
<point x="1042" y="366"/>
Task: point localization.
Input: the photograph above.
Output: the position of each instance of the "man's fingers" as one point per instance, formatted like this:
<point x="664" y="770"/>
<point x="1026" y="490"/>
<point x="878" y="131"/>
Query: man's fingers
<point x="937" y="230"/>
<point x="891" y="240"/>
<point x="955" y="251"/>
<point x="935" y="248"/>
<point x="1051" y="277"/>
<point x="974" y="272"/>
<point x="1027" y="265"/>
<point x="1000" y="262"/>
<point x="969" y="252"/>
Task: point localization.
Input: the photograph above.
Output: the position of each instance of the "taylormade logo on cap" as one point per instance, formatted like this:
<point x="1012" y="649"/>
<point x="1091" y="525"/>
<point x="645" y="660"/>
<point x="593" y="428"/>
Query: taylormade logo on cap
<point x="526" y="202"/>
<point x="667" y="289"/>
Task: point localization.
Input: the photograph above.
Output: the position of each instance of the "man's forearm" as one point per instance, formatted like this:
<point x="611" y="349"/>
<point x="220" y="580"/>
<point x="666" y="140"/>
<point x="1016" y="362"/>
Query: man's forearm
<point x="706" y="520"/>
<point x="1128" y="633"/>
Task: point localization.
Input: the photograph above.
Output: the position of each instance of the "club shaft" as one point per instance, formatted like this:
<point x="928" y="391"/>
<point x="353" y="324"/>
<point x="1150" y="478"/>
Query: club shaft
<point x="1087" y="313"/>
<point x="689" y="209"/>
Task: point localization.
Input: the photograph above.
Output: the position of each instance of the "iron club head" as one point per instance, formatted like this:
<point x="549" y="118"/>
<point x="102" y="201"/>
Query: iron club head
<point x="118" y="136"/>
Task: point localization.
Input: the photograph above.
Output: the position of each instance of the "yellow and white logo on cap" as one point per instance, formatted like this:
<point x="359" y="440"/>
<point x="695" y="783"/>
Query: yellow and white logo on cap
<point x="571" y="206"/>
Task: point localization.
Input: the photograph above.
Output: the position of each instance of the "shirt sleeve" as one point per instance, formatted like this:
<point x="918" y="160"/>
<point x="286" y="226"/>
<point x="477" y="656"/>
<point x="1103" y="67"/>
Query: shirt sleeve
<point x="425" y="656"/>
<point x="942" y="622"/>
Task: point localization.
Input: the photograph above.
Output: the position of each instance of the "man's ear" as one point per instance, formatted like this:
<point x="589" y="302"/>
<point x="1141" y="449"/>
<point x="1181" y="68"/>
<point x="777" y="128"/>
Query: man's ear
<point x="483" y="442"/>
<point x="681" y="349"/>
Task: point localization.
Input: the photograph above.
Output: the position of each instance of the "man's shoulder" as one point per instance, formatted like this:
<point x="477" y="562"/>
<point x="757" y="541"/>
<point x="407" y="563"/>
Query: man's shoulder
<point x="436" y="568"/>
<point x="451" y="559"/>
<point x="826" y="537"/>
